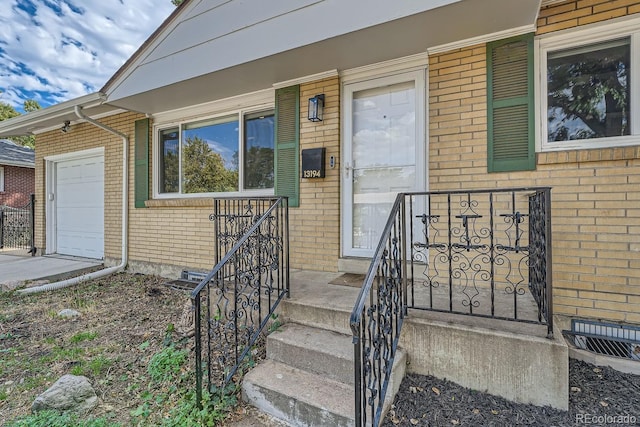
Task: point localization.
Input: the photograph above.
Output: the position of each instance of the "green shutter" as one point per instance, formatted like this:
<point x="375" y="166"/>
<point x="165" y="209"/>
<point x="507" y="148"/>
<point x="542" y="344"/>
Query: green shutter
<point x="287" y="182"/>
<point x="510" y="104"/>
<point x="141" y="163"/>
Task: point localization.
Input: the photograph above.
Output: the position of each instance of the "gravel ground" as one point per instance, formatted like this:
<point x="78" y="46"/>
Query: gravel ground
<point x="598" y="396"/>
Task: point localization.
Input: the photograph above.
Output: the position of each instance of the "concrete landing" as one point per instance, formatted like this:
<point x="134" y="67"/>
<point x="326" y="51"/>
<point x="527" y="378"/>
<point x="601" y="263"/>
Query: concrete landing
<point x="14" y="268"/>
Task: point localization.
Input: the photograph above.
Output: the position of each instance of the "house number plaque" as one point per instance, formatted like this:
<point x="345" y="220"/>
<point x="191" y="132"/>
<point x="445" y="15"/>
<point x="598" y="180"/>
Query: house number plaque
<point x="313" y="162"/>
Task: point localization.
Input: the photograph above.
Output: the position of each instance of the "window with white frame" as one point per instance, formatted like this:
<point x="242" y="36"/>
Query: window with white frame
<point x="222" y="154"/>
<point x="1" y="179"/>
<point x="589" y="93"/>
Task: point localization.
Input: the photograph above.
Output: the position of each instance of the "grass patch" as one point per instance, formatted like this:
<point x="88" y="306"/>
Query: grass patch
<point x="83" y="336"/>
<point x="166" y="364"/>
<point x="172" y="386"/>
<point x="56" y="419"/>
<point x="125" y="342"/>
<point x="62" y="353"/>
<point x="93" y="367"/>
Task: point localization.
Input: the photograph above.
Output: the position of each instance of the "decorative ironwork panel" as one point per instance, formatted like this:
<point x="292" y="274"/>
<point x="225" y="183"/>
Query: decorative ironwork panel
<point x="238" y="298"/>
<point x="470" y="253"/>
<point x="17" y="227"/>
<point x="479" y="253"/>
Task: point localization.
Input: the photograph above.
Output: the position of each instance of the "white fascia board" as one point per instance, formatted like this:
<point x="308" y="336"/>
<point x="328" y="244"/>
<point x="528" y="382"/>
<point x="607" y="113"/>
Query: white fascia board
<point x="116" y="110"/>
<point x="48" y="113"/>
<point x="18" y="164"/>
<point x="33" y="122"/>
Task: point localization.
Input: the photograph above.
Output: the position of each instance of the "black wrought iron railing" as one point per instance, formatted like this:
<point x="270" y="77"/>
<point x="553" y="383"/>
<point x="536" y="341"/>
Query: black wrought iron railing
<point x="376" y="319"/>
<point x="17" y="226"/>
<point x="481" y="253"/>
<point x="236" y="301"/>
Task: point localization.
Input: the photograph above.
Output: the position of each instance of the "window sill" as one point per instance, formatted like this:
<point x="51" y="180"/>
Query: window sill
<point x="591" y="155"/>
<point x="205" y="202"/>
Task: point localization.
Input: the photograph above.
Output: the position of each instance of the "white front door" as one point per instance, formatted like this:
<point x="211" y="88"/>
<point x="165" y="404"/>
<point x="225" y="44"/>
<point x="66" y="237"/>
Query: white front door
<point x="384" y="154"/>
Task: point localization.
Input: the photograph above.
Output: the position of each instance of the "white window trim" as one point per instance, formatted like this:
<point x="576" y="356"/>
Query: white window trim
<point x="193" y="112"/>
<point x="240" y="113"/>
<point x="1" y="179"/>
<point x="590" y="34"/>
<point x="417" y="62"/>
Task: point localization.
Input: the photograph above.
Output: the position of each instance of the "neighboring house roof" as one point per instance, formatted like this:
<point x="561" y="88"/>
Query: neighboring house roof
<point x="12" y="154"/>
<point x="208" y="50"/>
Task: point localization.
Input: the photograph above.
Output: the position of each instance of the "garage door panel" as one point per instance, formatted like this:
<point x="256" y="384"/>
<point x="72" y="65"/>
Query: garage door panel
<point x="80" y="207"/>
<point x="81" y="219"/>
<point x="88" y="245"/>
<point x="80" y="169"/>
<point x="79" y="196"/>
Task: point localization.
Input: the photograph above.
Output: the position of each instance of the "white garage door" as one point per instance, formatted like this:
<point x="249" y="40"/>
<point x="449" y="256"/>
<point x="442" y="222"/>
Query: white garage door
<point x="79" y="205"/>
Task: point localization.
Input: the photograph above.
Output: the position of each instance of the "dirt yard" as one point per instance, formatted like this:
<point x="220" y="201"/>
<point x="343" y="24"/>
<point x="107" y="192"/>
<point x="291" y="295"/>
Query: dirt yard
<point x="124" y="320"/>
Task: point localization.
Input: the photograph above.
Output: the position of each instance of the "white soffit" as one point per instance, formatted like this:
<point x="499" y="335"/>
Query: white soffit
<point x="218" y="49"/>
<point x="54" y="116"/>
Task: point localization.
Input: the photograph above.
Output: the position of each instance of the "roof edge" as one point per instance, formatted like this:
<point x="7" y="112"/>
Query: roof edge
<point x="18" y="164"/>
<point x="35" y="117"/>
<point x="76" y="120"/>
<point x="144" y="46"/>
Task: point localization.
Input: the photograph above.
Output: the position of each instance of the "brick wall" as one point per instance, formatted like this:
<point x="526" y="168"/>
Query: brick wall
<point x="596" y="193"/>
<point x="177" y="233"/>
<point x="83" y="137"/>
<point x="315" y="225"/>
<point x="19" y="184"/>
<point x="575" y="13"/>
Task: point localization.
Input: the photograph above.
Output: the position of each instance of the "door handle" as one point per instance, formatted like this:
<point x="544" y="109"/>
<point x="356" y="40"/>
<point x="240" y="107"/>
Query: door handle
<point x="347" y="169"/>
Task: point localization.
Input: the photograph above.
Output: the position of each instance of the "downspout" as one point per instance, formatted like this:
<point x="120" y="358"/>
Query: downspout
<point x="125" y="218"/>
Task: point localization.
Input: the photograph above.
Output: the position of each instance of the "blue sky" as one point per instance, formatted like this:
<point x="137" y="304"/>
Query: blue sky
<point x="56" y="50"/>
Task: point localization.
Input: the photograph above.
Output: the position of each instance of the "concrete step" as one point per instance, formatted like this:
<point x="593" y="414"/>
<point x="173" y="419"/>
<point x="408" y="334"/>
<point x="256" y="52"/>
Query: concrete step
<point x="298" y="397"/>
<point x="317" y="312"/>
<point x="308" y="377"/>
<point x="319" y="351"/>
<point x="315" y="302"/>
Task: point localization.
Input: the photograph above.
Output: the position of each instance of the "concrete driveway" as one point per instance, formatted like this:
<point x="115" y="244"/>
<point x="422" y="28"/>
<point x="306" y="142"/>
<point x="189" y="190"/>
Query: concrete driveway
<point x="19" y="268"/>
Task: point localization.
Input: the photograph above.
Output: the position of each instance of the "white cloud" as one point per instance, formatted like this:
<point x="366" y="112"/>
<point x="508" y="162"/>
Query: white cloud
<point x="55" y="50"/>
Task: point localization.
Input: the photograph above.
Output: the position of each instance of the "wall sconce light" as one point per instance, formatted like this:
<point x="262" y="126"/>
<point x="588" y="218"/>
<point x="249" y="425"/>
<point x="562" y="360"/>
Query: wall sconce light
<point x="316" y="108"/>
<point x="66" y="127"/>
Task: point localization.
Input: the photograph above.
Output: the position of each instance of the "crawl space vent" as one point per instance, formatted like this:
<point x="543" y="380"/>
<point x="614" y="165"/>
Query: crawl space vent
<point x="605" y="338"/>
<point x="188" y="280"/>
<point x="193" y="276"/>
